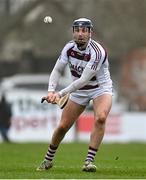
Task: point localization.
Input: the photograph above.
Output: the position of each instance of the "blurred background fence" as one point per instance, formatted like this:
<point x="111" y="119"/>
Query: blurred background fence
<point x="29" y="48"/>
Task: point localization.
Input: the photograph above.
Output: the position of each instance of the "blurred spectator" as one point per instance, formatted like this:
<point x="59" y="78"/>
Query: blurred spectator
<point x="5" y="118"/>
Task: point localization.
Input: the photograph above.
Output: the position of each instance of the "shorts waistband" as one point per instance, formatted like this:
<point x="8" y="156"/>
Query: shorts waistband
<point x="87" y="87"/>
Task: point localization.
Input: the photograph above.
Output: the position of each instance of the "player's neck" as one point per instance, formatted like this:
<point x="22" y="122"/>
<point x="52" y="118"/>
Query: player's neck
<point x="82" y="47"/>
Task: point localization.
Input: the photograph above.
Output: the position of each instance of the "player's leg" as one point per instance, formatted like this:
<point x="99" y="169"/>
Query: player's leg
<point x="69" y="115"/>
<point x="102" y="106"/>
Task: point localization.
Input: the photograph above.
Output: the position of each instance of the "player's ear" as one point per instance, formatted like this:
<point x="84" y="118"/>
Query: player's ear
<point x="91" y="32"/>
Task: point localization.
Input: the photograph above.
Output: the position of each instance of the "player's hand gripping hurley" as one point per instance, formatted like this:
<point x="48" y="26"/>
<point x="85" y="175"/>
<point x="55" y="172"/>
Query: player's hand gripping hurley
<point x="60" y="102"/>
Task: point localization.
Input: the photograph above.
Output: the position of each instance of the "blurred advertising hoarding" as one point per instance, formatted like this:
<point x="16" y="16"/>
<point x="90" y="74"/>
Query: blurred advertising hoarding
<point x="31" y="120"/>
<point x="35" y="122"/>
<point x="120" y="127"/>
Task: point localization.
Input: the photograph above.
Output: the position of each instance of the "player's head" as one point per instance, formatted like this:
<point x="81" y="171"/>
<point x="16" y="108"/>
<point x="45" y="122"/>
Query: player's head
<point x="83" y="22"/>
<point x="82" y="29"/>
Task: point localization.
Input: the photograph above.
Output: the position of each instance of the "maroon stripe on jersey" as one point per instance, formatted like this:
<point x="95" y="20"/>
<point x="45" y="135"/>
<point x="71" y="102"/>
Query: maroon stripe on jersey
<point x="88" y="87"/>
<point x="104" y="57"/>
<point x="93" y="78"/>
<point x="106" y="54"/>
<point x="77" y="55"/>
<point x="97" y="49"/>
<point x="69" y="51"/>
<point x="94" y="66"/>
<point x="75" y="74"/>
<point x="100" y="53"/>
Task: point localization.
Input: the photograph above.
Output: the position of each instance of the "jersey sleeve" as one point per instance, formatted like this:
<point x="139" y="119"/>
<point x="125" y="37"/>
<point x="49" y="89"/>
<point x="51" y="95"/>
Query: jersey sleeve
<point x="63" y="56"/>
<point x="59" y="67"/>
<point x="98" y="56"/>
<point x="55" y="75"/>
<point x="79" y="83"/>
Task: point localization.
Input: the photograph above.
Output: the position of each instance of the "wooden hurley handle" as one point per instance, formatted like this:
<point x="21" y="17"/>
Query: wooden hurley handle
<point x="61" y="102"/>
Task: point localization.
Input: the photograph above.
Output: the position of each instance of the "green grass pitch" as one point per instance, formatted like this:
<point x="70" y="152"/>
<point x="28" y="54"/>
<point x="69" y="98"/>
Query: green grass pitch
<point x="114" y="161"/>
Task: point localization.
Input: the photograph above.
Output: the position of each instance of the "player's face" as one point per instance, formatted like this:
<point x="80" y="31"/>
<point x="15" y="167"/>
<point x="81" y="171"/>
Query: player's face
<point x="81" y="36"/>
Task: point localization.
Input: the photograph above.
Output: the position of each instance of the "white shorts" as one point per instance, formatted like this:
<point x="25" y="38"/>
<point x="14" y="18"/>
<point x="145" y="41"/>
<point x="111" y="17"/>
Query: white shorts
<point x="83" y="97"/>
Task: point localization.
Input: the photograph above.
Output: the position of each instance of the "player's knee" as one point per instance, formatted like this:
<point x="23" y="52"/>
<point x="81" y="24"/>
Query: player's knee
<point x="100" y="119"/>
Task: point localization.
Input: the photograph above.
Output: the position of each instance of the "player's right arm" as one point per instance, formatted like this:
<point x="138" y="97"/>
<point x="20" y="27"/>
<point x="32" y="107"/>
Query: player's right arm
<point x="53" y="81"/>
<point x="56" y="74"/>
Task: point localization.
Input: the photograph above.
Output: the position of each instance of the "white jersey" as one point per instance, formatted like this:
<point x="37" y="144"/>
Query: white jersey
<point x="94" y="56"/>
<point x="89" y="68"/>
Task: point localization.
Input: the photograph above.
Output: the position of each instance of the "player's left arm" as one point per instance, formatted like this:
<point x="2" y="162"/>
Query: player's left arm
<point x="79" y="83"/>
